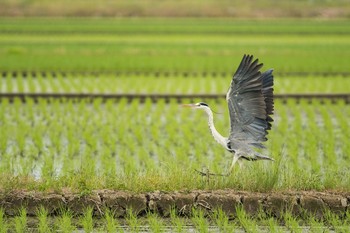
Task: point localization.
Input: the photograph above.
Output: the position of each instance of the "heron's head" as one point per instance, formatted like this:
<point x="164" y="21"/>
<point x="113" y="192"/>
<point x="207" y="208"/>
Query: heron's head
<point x="196" y="106"/>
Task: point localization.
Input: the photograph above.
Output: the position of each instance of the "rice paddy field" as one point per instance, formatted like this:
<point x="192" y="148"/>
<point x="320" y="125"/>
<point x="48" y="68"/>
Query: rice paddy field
<point x="57" y="147"/>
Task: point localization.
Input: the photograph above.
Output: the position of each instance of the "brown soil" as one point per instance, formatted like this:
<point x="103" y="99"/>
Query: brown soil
<point x="208" y="8"/>
<point x="273" y="203"/>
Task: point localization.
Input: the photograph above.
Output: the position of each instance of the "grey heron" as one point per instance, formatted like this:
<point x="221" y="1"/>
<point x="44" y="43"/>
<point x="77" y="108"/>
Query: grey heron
<point x="251" y="105"/>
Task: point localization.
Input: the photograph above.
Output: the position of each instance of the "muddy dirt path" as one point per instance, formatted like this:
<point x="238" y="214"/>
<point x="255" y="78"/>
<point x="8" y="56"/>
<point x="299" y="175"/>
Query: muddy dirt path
<point x="273" y="203"/>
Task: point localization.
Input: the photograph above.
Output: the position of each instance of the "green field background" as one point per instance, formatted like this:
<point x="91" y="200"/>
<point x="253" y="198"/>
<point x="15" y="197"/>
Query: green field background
<point x="182" y="47"/>
<point x="141" y="142"/>
<point x="163" y="44"/>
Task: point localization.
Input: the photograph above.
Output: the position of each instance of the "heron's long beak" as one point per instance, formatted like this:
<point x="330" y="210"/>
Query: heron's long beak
<point x="188" y="105"/>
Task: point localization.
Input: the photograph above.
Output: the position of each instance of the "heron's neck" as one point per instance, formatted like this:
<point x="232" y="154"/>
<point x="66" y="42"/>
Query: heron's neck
<point x="217" y="136"/>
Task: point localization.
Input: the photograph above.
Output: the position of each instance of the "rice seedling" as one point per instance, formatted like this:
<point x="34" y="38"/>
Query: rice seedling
<point x="274" y="227"/>
<point x="43" y="225"/>
<point x="95" y="149"/>
<point x="246" y="221"/>
<point x="347" y="218"/>
<point x="177" y="223"/>
<point x="316" y="225"/>
<point x="87" y="220"/>
<point x="334" y="222"/>
<point x="64" y="222"/>
<point x="111" y="224"/>
<point x="291" y="223"/>
<point x="4" y="225"/>
<point x="155" y="223"/>
<point x="221" y="220"/>
<point x="20" y="221"/>
<point x="132" y="221"/>
<point x="165" y="84"/>
<point x="199" y="221"/>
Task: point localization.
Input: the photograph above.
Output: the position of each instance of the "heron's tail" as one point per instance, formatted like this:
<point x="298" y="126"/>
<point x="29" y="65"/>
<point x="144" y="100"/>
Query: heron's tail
<point x="263" y="157"/>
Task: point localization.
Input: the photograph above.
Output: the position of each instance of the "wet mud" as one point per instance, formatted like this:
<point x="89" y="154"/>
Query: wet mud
<point x="120" y="202"/>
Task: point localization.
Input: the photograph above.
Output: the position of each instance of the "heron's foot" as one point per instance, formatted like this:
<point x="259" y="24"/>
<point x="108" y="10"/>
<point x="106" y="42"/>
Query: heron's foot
<point x="229" y="172"/>
<point x="207" y="173"/>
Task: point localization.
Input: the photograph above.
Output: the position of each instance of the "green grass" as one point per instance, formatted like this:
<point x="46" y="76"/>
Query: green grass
<point x="173" y="45"/>
<point x="162" y="144"/>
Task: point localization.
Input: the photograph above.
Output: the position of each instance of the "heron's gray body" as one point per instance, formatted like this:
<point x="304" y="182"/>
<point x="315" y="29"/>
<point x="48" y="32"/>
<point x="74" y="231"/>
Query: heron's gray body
<point x="250" y="104"/>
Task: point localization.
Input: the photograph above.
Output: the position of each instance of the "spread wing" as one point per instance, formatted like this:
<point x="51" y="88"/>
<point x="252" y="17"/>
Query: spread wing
<point x="250" y="103"/>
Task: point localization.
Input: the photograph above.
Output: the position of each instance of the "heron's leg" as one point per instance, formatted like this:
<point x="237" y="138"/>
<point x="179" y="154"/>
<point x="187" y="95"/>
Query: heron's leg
<point x="206" y="173"/>
<point x="234" y="160"/>
<point x="240" y="163"/>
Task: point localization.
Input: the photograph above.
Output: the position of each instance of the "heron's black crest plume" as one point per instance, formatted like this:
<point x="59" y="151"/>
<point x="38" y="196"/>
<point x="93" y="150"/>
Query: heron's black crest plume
<point x="203" y="104"/>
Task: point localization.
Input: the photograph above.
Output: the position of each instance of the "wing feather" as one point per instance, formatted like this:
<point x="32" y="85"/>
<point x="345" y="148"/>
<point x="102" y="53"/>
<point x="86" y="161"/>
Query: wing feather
<point x="250" y="103"/>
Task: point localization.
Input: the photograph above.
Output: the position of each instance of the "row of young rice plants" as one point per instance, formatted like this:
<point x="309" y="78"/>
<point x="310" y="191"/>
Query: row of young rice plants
<point x="315" y="143"/>
<point x="198" y="221"/>
<point x="163" y="84"/>
<point x="129" y="26"/>
<point x="145" y="147"/>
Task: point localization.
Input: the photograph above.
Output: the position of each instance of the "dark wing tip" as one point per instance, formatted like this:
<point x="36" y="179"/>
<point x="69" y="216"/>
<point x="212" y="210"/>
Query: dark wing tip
<point x="267" y="91"/>
<point x="250" y="100"/>
<point x="247" y="69"/>
<point x="203" y="104"/>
